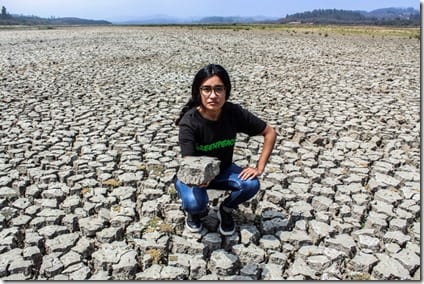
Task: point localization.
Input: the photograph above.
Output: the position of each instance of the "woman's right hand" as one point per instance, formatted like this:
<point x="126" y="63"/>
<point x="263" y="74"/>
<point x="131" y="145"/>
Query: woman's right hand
<point x="203" y="185"/>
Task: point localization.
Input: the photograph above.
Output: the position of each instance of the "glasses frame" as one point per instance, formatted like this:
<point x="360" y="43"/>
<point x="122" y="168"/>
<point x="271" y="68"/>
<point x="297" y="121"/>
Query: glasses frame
<point x="212" y="89"/>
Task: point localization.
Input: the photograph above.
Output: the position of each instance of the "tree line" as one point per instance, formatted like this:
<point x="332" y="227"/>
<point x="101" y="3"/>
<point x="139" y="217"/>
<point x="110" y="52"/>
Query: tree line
<point x="4" y="14"/>
<point x="334" y="16"/>
<point x="8" y="19"/>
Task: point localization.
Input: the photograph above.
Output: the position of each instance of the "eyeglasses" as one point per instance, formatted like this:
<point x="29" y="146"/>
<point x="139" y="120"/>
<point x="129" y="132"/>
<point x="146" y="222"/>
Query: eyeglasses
<point x="207" y="90"/>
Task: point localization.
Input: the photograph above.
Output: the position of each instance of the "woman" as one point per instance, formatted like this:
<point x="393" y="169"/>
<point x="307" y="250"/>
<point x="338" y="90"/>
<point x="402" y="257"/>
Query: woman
<point x="208" y="125"/>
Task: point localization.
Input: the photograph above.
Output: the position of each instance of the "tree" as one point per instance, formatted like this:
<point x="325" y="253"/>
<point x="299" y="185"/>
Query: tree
<point x="3" y="12"/>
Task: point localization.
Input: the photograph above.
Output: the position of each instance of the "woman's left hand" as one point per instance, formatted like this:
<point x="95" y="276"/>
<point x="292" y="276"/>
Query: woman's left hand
<point x="249" y="173"/>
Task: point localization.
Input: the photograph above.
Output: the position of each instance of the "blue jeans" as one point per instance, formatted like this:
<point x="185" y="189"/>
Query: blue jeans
<point x="195" y="199"/>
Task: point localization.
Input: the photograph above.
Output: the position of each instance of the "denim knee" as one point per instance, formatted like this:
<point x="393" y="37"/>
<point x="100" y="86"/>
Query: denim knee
<point x="244" y="191"/>
<point x="251" y="186"/>
<point x="194" y="199"/>
<point x="194" y="206"/>
<point x="255" y="184"/>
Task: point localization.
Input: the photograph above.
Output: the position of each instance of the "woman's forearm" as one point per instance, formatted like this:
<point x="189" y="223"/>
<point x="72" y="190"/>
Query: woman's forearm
<point x="269" y="141"/>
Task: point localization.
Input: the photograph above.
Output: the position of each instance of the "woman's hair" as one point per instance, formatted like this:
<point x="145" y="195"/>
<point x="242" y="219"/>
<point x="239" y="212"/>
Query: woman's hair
<point x="203" y="74"/>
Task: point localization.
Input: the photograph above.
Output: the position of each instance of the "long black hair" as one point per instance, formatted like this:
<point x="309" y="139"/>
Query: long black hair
<point x="203" y="74"/>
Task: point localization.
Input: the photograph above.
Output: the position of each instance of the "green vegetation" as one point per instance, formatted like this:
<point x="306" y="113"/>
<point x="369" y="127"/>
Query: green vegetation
<point x="384" y="17"/>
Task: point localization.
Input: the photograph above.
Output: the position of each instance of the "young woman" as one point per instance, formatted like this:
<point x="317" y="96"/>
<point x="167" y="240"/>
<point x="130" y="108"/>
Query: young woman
<point x="208" y="125"/>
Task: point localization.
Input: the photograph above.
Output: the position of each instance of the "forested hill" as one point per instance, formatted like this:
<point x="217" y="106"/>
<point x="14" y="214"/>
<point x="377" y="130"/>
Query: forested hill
<point x="386" y="16"/>
<point x="32" y="20"/>
<point x="10" y="19"/>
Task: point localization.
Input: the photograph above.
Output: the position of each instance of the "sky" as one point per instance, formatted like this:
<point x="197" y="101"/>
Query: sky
<point x="121" y="10"/>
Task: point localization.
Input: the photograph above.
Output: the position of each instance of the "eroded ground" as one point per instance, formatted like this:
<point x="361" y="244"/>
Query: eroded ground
<point x="88" y="150"/>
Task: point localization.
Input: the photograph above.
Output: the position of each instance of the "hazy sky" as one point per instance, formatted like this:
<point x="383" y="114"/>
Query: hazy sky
<point x="115" y="10"/>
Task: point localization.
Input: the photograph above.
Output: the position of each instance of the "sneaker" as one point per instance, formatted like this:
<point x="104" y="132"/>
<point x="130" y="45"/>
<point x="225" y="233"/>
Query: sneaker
<point x="193" y="223"/>
<point x="226" y="222"/>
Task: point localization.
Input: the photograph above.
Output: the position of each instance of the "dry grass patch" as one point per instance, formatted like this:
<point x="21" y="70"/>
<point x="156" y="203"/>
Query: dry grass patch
<point x="324" y="30"/>
<point x="85" y="190"/>
<point x="112" y="182"/>
<point x="156" y="255"/>
<point x="156" y="224"/>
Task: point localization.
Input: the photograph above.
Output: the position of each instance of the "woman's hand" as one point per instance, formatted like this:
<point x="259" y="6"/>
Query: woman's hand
<point x="203" y="185"/>
<point x="249" y="173"/>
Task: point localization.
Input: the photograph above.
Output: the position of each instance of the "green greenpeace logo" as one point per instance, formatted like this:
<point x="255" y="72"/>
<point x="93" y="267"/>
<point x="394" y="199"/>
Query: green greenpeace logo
<point x="217" y="145"/>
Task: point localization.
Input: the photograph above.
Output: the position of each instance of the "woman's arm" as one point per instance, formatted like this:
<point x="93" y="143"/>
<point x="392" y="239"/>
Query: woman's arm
<point x="269" y="141"/>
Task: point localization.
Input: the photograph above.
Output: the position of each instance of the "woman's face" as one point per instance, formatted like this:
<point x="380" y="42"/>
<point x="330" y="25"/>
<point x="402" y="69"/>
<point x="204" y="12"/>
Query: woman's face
<point x="212" y="92"/>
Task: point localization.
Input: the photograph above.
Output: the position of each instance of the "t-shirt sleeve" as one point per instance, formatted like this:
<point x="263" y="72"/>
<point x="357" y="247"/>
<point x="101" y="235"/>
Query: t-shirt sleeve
<point x="249" y="123"/>
<point x="186" y="139"/>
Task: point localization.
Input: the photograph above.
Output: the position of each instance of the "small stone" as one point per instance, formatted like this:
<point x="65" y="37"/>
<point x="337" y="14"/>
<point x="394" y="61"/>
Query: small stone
<point x="386" y="180"/>
<point x="363" y="262"/>
<point x="369" y="242"/>
<point x="271" y="271"/>
<point x="197" y="267"/>
<point x="182" y="245"/>
<point x="343" y="242"/>
<point x="269" y="242"/>
<point x="84" y="247"/>
<point x="51" y="265"/>
<point x="173" y="273"/>
<point x="274" y="225"/>
<point x="109" y="235"/>
<point x="70" y="258"/>
<point x="249" y="234"/>
<point x="212" y="241"/>
<point x="32" y="253"/>
<point x="319" y="230"/>
<point x="90" y="225"/>
<point x="82" y="273"/>
<point x="180" y="260"/>
<point x="318" y="262"/>
<point x="61" y="243"/>
<point x="408" y="259"/>
<point x="101" y="275"/>
<point x="250" y="270"/>
<point x="223" y="263"/>
<point x="127" y="266"/>
<point x="280" y="258"/>
<point x="249" y="254"/>
<point x="20" y="265"/>
<point x="151" y="273"/>
<point x="9" y="193"/>
<point x="299" y="267"/>
<point x="396" y="237"/>
<point x="296" y="238"/>
<point x="392" y="248"/>
<point x="52" y="231"/>
<point x="389" y="269"/>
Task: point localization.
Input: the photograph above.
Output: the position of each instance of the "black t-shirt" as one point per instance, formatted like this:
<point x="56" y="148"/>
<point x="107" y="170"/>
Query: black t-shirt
<point x="202" y="137"/>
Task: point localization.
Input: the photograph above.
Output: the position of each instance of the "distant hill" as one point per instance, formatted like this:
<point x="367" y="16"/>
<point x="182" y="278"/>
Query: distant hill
<point x="393" y="13"/>
<point x="9" y="19"/>
<point x="166" y="20"/>
<point x="234" y="20"/>
<point x="33" y="20"/>
<point x="153" y="20"/>
<point x="385" y="16"/>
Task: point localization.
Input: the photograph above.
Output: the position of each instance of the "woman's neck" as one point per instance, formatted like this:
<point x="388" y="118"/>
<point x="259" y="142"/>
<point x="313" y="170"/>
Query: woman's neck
<point x="208" y="114"/>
